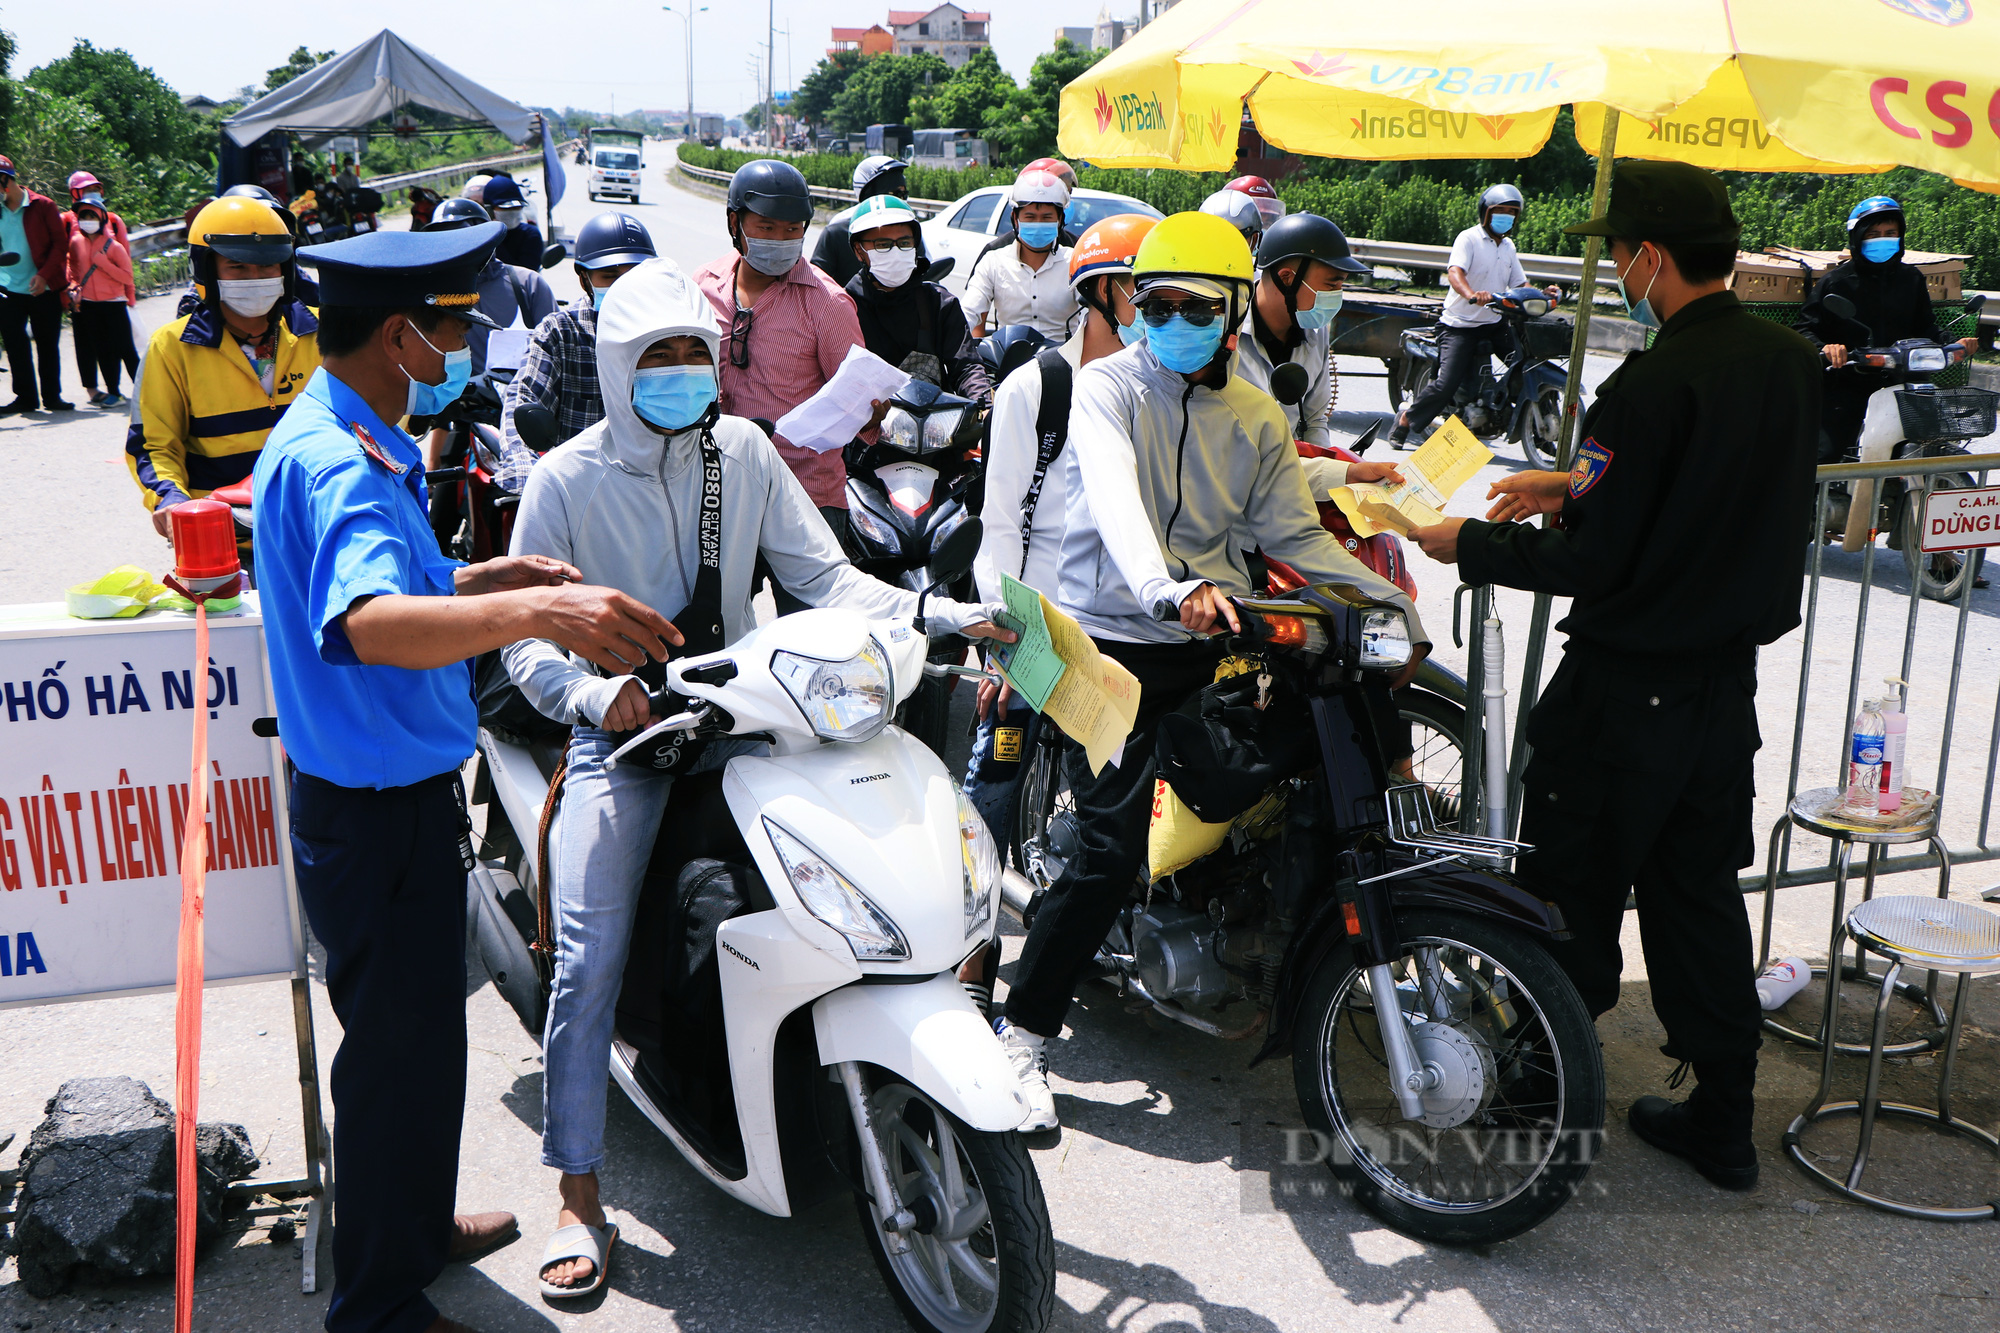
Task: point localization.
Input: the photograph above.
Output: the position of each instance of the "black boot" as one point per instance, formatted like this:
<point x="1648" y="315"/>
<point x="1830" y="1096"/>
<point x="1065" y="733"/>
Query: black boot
<point x="1711" y="1129"/>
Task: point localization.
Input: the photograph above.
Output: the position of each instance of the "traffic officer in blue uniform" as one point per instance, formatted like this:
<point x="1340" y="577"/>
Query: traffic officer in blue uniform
<point x="369" y="631"/>
<point x="1678" y="538"/>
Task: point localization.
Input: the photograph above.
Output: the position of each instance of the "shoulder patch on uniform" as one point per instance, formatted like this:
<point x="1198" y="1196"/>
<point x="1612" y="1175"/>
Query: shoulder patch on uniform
<point x="1593" y="460"/>
<point x="377" y="452"/>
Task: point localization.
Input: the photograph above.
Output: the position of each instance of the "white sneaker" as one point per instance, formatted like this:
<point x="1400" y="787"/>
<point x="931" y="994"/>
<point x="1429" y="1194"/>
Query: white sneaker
<point x="1026" y="1053"/>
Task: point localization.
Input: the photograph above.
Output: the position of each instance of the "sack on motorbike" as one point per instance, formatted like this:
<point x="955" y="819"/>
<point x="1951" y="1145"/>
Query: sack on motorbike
<point x="1220" y="752"/>
<point x="503" y="709"/>
<point x="1177" y="836"/>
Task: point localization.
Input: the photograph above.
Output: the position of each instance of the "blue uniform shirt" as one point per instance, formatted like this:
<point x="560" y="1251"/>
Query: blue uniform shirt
<point x="336" y="523"/>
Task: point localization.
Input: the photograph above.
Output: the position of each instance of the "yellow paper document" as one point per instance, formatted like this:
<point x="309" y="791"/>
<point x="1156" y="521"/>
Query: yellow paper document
<point x="1451" y="457"/>
<point x="1092" y="698"/>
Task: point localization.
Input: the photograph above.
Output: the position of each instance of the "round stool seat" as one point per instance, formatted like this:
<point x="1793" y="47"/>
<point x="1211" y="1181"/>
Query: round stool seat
<point x="1817" y="810"/>
<point x="1933" y="933"/>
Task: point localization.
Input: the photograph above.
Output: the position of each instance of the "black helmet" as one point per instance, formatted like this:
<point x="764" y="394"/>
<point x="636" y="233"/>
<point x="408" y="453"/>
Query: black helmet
<point x="1008" y="348"/>
<point x="251" y="192"/>
<point x="613" y="238"/>
<point x="879" y="175"/>
<point x="771" y="189"/>
<point x="1307" y="236"/>
<point x="453" y="214"/>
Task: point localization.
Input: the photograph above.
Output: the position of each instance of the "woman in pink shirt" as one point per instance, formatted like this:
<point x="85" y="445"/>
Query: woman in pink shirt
<point x="101" y="291"/>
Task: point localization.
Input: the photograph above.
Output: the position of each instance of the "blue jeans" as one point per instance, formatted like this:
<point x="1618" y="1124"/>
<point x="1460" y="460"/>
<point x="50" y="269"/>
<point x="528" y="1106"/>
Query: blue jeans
<point x="598" y="851"/>
<point x="993" y="776"/>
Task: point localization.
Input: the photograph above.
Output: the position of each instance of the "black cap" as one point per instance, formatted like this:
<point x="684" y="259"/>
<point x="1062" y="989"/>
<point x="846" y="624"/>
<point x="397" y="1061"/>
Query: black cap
<point x="1664" y="201"/>
<point x="408" y="268"/>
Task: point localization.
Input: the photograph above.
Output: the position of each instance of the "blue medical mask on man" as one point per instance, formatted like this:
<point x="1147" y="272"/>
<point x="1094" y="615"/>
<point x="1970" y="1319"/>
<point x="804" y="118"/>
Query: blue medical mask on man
<point x="1881" y="249"/>
<point x="1502" y="223"/>
<point x="1183" y="347"/>
<point x="597" y="295"/>
<point x="1038" y="235"/>
<point x="1321" y="312"/>
<point x="427" y="400"/>
<point x="1641" y="311"/>
<point x="673" y="397"/>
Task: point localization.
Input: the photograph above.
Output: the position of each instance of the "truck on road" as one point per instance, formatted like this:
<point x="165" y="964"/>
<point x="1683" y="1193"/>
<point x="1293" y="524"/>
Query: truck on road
<point x="615" y="162"/>
<point x="710" y="129"/>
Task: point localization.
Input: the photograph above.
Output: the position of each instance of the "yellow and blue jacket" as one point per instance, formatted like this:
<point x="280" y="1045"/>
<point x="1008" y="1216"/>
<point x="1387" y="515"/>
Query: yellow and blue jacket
<point x="202" y="413"/>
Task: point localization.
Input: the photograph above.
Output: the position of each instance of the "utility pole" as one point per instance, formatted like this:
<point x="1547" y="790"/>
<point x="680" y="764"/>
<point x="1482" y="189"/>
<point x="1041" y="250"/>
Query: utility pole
<point x="687" y="13"/>
<point x="770" y="69"/>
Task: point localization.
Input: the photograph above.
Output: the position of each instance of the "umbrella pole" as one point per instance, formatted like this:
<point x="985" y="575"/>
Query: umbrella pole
<point x="1586" y="295"/>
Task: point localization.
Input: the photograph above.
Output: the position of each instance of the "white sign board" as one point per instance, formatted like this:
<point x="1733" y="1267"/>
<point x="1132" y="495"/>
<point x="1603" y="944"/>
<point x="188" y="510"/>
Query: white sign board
<point x="1962" y="520"/>
<point x="96" y="725"/>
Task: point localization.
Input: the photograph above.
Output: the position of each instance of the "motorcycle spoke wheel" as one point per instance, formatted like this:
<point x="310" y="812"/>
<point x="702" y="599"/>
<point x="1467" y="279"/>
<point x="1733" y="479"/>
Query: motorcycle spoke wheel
<point x="1942" y="575"/>
<point x="1543" y="429"/>
<point x="1437" y="750"/>
<point x="1046" y="813"/>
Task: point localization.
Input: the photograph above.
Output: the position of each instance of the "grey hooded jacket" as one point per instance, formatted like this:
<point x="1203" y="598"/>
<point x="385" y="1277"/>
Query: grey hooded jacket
<point x="620" y="502"/>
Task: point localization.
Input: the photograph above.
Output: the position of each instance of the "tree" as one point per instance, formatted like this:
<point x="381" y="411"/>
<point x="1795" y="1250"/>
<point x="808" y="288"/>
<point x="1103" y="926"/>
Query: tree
<point x="819" y="89"/>
<point x="298" y="62"/>
<point x="141" y="112"/>
<point x="962" y="101"/>
<point x="6" y="85"/>
<point x="753" y="117"/>
<point x="879" y="92"/>
<point x="1024" y="128"/>
<point x="52" y="135"/>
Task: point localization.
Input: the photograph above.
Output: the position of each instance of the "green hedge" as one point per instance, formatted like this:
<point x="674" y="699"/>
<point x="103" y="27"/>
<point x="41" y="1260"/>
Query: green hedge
<point x="1809" y="212"/>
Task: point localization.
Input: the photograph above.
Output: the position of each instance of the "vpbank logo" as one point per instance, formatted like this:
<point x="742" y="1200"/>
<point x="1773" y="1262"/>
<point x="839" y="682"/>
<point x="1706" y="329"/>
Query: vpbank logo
<point x="1944" y="13"/>
<point x="1319" y="65"/>
<point x="1103" y="109"/>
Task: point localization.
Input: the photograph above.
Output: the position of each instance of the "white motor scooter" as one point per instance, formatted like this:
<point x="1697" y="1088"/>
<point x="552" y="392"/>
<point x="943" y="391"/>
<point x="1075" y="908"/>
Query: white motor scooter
<point x="791" y="1017"/>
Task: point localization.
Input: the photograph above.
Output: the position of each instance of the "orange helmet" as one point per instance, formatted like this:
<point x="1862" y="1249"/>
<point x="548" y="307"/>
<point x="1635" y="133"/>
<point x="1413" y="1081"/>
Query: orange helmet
<point x="1109" y="246"/>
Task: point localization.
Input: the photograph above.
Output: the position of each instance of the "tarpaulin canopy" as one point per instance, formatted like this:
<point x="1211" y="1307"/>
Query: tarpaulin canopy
<point x="368" y="82"/>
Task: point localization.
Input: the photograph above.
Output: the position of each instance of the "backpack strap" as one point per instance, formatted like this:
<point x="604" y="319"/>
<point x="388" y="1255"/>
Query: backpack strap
<point x="1051" y="433"/>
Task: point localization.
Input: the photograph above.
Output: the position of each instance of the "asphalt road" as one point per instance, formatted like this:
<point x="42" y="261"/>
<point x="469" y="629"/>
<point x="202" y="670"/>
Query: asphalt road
<point x="1172" y="1207"/>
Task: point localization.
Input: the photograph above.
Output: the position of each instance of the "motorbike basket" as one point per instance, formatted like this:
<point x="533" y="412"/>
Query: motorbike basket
<point x="1947" y="414"/>
<point x="1549" y="337"/>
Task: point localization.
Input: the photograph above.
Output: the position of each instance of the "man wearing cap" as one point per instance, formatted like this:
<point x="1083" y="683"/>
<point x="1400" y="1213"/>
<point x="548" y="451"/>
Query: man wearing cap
<point x="31" y="288"/>
<point x="1678" y="538"/>
<point x="368" y="629"/>
<point x="522" y="243"/>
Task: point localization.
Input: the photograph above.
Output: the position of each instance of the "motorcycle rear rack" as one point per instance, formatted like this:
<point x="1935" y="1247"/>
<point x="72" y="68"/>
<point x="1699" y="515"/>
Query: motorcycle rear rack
<point x="1413" y="824"/>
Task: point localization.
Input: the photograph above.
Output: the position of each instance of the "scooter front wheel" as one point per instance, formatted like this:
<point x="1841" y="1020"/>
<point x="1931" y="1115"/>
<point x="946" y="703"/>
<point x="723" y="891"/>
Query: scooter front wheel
<point x="981" y="1256"/>
<point x="1514" y="1113"/>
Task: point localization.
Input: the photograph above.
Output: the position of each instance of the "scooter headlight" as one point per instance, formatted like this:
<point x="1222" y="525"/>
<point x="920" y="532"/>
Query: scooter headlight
<point x="1534" y="308"/>
<point x="941" y="427"/>
<point x="1385" y="638"/>
<point x="873" y="528"/>
<point x="982" y="868"/>
<point x="829" y="896"/>
<point x="902" y="431"/>
<point x="1924" y="359"/>
<point x="843" y="701"/>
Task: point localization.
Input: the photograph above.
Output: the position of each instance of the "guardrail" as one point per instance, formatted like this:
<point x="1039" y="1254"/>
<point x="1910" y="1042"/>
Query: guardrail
<point x="827" y="195"/>
<point x="156" y="238"/>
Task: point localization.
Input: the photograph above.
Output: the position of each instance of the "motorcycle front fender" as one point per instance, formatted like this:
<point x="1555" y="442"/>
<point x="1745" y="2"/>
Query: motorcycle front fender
<point x="1440" y="680"/>
<point x="931" y="1036"/>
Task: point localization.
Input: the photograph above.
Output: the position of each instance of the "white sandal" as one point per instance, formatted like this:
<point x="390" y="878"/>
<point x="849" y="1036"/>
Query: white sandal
<point x="578" y="1241"/>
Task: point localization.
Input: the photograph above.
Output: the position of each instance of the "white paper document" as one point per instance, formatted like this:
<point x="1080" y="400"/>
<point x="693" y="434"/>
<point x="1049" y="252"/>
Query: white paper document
<point x="836" y="414"/>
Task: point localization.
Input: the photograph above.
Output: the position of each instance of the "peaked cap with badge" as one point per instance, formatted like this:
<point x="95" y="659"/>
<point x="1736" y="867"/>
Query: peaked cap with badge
<point x="403" y="269"/>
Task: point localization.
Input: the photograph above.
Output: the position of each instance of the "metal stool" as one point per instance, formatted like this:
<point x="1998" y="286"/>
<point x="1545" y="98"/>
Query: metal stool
<point x="1921" y="932"/>
<point x="1807" y="812"/>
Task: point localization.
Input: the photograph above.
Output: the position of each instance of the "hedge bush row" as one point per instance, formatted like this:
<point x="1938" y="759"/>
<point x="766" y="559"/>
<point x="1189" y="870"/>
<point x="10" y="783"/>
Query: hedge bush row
<point x="1809" y="212"/>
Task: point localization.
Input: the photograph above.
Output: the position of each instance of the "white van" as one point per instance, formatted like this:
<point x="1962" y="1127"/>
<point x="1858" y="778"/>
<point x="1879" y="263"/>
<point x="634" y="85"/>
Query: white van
<point x="615" y="169"/>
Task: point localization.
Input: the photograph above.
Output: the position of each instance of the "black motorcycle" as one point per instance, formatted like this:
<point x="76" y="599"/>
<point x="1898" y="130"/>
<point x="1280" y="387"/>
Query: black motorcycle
<point x="1525" y="401"/>
<point x="906" y="493"/>
<point x="1338" y="897"/>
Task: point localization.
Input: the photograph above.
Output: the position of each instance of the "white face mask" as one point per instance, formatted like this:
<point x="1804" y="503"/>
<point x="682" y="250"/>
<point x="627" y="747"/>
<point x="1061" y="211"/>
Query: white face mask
<point x="88" y="226"/>
<point x="251" y="298"/>
<point x="892" y="268"/>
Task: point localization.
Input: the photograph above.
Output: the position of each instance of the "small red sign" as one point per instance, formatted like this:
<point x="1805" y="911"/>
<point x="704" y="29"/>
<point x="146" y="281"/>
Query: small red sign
<point x="1962" y="520"/>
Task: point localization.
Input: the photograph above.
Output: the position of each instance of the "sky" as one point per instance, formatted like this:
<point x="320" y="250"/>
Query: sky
<point x="593" y="54"/>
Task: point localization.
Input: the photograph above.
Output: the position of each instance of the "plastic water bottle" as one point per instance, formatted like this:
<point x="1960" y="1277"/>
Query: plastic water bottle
<point x="1779" y="982"/>
<point x="1895" y="728"/>
<point x="1864" y="767"/>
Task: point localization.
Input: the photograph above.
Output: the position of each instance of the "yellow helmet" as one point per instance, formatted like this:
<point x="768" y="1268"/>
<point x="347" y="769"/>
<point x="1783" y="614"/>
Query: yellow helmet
<point x="1201" y="246"/>
<point x="238" y="228"/>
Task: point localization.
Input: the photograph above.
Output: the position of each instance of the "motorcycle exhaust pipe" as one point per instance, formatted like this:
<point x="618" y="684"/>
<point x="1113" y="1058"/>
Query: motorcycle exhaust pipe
<point x="1016" y="891"/>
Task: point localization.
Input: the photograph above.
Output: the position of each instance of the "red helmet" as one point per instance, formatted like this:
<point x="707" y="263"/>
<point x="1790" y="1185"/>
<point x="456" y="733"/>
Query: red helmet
<point x="82" y="182"/>
<point x="1056" y="167"/>
<point x="1268" y="204"/>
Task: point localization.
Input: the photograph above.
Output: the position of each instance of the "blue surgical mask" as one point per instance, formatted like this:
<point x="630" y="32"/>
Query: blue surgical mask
<point x="1502" y="223"/>
<point x="1183" y="348"/>
<point x="597" y="295"/>
<point x="1132" y="333"/>
<point x="427" y="400"/>
<point x="1881" y="249"/>
<point x="1037" y="235"/>
<point x="1641" y="311"/>
<point x="673" y="397"/>
<point x="1324" y="307"/>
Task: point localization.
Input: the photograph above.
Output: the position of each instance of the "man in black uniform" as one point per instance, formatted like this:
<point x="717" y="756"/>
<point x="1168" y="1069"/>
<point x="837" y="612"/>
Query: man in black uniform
<point x="1680" y="541"/>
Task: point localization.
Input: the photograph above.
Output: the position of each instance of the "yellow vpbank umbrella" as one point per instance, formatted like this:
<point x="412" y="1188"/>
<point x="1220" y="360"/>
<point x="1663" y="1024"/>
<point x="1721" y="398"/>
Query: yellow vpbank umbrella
<point x="1748" y="85"/>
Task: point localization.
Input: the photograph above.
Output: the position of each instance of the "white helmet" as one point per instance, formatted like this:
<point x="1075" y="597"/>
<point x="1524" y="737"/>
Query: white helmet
<point x="1239" y="210"/>
<point x="475" y="189"/>
<point x="1038" y="187"/>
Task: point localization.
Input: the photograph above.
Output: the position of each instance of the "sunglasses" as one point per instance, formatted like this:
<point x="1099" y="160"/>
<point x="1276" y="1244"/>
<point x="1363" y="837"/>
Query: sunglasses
<point x="1157" y="311"/>
<point x="739" y="338"/>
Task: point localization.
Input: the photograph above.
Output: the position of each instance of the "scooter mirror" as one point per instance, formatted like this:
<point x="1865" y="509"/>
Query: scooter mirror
<point x="1289" y="383"/>
<point x="940" y="268"/>
<point x="1366" y="438"/>
<point x="536" y="426"/>
<point x="954" y="556"/>
<point x="1837" y="305"/>
<point x="1973" y="304"/>
<point x="553" y="254"/>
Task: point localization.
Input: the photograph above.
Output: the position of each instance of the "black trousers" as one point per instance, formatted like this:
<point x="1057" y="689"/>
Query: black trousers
<point x="1115" y="808"/>
<point x="1843" y="409"/>
<point x="102" y="331"/>
<point x="1641" y="781"/>
<point x="836" y="518"/>
<point x="1459" y="355"/>
<point x="384" y="888"/>
<point x="41" y="316"/>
